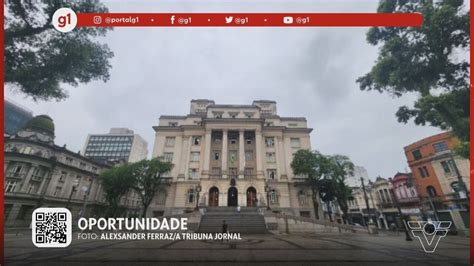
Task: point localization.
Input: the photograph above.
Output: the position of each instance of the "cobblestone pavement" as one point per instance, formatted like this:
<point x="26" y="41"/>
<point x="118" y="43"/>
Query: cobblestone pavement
<point x="327" y="249"/>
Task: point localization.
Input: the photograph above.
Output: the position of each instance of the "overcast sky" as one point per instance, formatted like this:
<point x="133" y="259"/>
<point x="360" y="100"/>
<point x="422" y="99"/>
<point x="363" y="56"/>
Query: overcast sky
<point x="310" y="72"/>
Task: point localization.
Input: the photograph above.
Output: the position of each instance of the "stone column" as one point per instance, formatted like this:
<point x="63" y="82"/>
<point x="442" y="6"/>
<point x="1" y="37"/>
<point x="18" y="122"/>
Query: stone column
<point x="241" y="154"/>
<point x="187" y="157"/>
<point x="207" y="154"/>
<point x="27" y="178"/>
<point x="224" y="153"/>
<point x="281" y="154"/>
<point x="258" y="151"/>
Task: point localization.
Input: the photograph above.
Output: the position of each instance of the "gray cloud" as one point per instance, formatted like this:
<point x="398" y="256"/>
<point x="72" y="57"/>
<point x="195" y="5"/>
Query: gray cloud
<point x="309" y="72"/>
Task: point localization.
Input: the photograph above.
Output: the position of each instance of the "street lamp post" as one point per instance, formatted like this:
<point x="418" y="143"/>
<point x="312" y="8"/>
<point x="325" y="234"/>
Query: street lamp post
<point x="198" y="189"/>
<point x="267" y="190"/>
<point x="395" y="200"/>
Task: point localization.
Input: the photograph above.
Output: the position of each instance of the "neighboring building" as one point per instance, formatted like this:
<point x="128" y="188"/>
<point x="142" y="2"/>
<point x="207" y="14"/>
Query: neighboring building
<point x="236" y="155"/>
<point x="39" y="173"/>
<point x="353" y="180"/>
<point x="15" y="117"/>
<point x="435" y="169"/>
<point x="119" y="145"/>
<point x="407" y="196"/>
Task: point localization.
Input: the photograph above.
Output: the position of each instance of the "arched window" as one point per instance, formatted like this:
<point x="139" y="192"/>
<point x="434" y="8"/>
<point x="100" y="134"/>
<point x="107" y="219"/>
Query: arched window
<point x="431" y="191"/>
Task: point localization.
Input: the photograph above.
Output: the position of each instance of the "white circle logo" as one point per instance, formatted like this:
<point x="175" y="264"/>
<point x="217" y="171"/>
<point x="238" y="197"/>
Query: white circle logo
<point x="64" y="20"/>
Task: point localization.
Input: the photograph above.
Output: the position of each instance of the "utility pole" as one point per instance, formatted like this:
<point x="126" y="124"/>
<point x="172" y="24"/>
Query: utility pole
<point x="366" y="201"/>
<point x="461" y="182"/>
<point x="405" y="224"/>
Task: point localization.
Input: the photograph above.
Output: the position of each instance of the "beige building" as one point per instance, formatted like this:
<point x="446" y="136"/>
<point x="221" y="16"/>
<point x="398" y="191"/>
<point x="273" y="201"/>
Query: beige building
<point x="234" y="155"/>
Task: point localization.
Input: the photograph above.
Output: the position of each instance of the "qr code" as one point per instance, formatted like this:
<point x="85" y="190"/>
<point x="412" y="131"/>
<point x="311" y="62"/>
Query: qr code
<point x="51" y="227"/>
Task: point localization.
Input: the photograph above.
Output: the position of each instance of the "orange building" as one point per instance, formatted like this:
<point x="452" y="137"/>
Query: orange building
<point x="433" y="165"/>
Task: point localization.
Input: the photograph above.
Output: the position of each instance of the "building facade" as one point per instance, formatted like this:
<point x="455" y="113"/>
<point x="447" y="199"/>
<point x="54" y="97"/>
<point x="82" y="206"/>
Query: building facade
<point x="232" y="155"/>
<point x="39" y="173"/>
<point x="119" y="145"/>
<point x="15" y="117"/>
<point x="437" y="171"/>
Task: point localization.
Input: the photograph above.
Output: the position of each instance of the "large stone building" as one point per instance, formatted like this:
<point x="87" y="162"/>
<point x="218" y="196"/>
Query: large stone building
<point x="39" y="173"/>
<point x="119" y="145"/>
<point x="234" y="155"/>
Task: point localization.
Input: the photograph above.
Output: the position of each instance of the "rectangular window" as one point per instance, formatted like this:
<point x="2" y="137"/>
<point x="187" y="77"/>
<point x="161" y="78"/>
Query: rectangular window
<point x="416" y="154"/>
<point x="62" y="177"/>
<point x="233" y="141"/>
<point x="233" y="172"/>
<point x="270" y="141"/>
<point x="193" y="173"/>
<point x="295" y="142"/>
<point x="272" y="173"/>
<point x="440" y="146"/>
<point x="217" y="156"/>
<point x="195" y="156"/>
<point x="196" y="140"/>
<point x="32" y="188"/>
<point x="173" y="124"/>
<point x="232" y="156"/>
<point x="249" y="155"/>
<point x="271" y="158"/>
<point x="447" y="166"/>
<point x="248" y="172"/>
<point x="168" y="156"/>
<point x="423" y="171"/>
<point x="216" y="171"/>
<point x="169" y="142"/>
<point x="10" y="186"/>
<point x="57" y="191"/>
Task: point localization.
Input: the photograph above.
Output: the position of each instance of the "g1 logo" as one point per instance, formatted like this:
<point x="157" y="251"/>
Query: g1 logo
<point x="64" y="19"/>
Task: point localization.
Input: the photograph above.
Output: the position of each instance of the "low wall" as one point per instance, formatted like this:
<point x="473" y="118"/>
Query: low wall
<point x="280" y="223"/>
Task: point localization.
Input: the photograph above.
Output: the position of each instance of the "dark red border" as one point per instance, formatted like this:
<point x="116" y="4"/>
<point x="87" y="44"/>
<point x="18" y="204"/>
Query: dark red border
<point x="2" y="200"/>
<point x="2" y="159"/>
<point x="471" y="159"/>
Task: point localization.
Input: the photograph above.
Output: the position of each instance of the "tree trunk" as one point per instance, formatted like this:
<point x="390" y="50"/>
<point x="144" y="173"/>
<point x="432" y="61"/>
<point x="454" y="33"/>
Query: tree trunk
<point x="315" y="203"/>
<point x="328" y="205"/>
<point x="145" y="208"/>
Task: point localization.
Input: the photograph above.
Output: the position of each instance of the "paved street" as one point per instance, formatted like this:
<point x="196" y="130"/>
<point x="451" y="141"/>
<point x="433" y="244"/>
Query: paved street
<point x="328" y="249"/>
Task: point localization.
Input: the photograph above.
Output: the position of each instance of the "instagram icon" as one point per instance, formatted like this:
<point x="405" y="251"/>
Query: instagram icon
<point x="64" y="20"/>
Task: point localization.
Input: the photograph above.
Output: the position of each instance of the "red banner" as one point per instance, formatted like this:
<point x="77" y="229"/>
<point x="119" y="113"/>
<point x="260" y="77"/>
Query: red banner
<point x="248" y="20"/>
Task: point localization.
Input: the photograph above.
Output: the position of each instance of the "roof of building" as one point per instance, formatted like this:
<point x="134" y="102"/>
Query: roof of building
<point x="41" y="122"/>
<point x="428" y="140"/>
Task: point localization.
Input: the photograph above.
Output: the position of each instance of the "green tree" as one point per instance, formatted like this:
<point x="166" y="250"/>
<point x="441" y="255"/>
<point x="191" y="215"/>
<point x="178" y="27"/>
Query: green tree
<point x="39" y="60"/>
<point x="340" y="168"/>
<point x="116" y="182"/>
<point x="148" y="177"/>
<point x="314" y="166"/>
<point x="430" y="61"/>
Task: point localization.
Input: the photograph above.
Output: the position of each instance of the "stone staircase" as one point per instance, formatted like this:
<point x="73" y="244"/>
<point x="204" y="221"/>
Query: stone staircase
<point x="248" y="221"/>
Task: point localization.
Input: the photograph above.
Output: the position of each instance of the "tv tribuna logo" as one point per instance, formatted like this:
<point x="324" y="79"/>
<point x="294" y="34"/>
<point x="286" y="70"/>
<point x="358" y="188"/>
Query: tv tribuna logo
<point x="429" y="233"/>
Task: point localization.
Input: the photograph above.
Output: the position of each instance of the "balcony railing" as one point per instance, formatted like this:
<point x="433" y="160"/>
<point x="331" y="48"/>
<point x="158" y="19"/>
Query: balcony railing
<point x="215" y="176"/>
<point x="249" y="176"/>
<point x="15" y="175"/>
